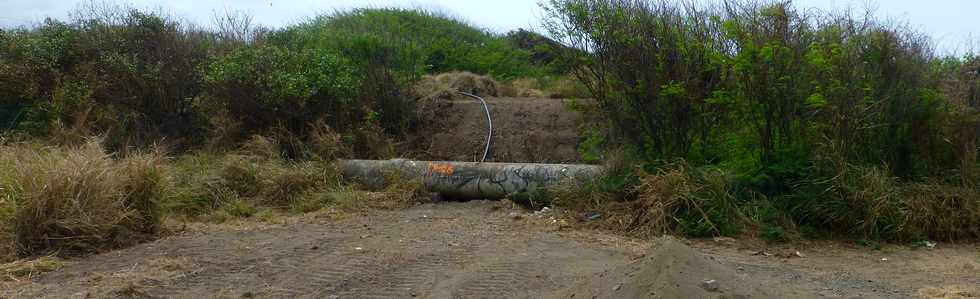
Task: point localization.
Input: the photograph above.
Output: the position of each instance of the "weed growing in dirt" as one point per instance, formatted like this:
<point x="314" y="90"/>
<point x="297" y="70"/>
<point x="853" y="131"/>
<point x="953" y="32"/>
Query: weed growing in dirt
<point x="24" y="269"/>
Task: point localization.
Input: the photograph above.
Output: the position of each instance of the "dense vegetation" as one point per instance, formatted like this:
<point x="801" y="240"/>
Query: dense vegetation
<point x="824" y="122"/>
<point x="139" y="77"/>
<point x="252" y="116"/>
<point x="740" y="118"/>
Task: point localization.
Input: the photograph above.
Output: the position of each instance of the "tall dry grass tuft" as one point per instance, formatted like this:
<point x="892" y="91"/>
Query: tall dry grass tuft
<point x="941" y="212"/>
<point x="325" y="143"/>
<point x="681" y="199"/>
<point x="76" y="200"/>
<point x="676" y="199"/>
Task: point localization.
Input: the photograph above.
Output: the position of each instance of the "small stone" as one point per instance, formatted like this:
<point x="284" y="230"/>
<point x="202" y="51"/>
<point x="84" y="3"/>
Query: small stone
<point x="710" y="285"/>
<point x="315" y="247"/>
<point x="617" y="287"/>
<point x="358" y="248"/>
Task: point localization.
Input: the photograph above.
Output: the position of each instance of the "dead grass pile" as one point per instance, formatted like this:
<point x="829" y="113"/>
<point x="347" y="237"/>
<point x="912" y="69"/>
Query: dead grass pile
<point x="941" y="212"/>
<point x="677" y="199"/>
<point x="564" y="87"/>
<point x="79" y="200"/>
<point x="444" y="85"/>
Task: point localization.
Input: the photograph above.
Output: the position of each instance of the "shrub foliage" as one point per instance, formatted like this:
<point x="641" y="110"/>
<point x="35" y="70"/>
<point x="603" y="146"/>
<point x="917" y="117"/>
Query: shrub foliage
<point x="828" y="115"/>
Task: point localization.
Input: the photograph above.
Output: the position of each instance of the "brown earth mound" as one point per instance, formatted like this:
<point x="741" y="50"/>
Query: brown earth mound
<point x="674" y="270"/>
<point x="537" y="130"/>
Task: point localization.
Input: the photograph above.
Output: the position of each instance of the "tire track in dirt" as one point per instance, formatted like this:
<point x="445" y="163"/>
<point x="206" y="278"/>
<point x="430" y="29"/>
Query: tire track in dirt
<point x="442" y="250"/>
<point x="413" y="277"/>
<point x="496" y="280"/>
<point x="222" y="263"/>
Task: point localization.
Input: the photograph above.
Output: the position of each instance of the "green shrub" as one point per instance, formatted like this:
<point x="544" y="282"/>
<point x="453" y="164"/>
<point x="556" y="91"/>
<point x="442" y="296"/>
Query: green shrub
<point x="129" y="74"/>
<point x="413" y="42"/>
<point x="822" y="116"/>
<point x="266" y="86"/>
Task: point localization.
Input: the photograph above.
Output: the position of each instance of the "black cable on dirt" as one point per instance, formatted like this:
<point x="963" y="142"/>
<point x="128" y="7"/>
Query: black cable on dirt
<point x="486" y="109"/>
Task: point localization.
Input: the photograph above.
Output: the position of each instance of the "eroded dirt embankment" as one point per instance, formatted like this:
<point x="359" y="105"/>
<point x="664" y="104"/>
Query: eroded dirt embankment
<point x="538" y="130"/>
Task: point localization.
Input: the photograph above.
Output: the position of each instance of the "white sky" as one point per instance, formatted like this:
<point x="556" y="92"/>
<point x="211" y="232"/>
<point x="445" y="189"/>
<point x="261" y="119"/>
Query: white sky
<point x="953" y="24"/>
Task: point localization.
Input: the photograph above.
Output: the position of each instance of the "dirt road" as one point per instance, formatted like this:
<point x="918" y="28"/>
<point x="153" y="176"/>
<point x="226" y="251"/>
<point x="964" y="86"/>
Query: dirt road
<point x="481" y="249"/>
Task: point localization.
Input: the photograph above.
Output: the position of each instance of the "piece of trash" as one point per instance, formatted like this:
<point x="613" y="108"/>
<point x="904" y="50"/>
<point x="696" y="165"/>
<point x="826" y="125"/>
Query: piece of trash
<point x="798" y="254"/>
<point x="562" y="223"/>
<point x="591" y="216"/>
<point x="724" y="240"/>
<point x="927" y="244"/>
<point x="358" y="248"/>
<point x="710" y="285"/>
<point x="884" y="259"/>
<point x="617" y="287"/>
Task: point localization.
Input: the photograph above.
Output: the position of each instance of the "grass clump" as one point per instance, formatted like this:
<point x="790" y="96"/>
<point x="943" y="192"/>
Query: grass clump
<point x="79" y="200"/>
<point x="236" y="185"/>
<point x="25" y="269"/>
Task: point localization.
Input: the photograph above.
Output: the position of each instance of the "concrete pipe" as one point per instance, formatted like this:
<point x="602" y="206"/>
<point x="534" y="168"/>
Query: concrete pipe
<point x="469" y="180"/>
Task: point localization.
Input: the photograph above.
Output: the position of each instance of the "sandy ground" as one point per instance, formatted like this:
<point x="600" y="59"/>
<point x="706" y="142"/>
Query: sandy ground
<point x="483" y="249"/>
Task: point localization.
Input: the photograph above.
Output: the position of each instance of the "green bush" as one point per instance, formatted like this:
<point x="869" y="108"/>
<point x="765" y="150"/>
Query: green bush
<point x="268" y="86"/>
<point x="825" y="116"/>
<point x="132" y="77"/>
<point x="413" y="42"/>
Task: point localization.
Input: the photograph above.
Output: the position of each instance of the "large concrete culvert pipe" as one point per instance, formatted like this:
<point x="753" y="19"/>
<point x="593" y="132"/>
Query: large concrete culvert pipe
<point x="470" y="180"/>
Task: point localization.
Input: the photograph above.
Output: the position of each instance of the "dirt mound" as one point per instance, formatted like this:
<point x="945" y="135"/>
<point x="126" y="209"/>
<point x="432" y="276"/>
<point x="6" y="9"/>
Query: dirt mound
<point x="536" y="130"/>
<point x="674" y="270"/>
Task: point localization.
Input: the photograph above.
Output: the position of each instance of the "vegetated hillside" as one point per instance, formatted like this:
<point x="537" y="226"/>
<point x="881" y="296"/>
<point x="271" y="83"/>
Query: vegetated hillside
<point x="414" y="42"/>
<point x="253" y="116"/>
<point x="763" y="116"/>
<point x="139" y="77"/>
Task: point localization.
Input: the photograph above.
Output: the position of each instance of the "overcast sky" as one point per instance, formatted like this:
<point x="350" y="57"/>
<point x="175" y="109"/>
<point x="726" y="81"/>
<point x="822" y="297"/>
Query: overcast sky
<point x="954" y="24"/>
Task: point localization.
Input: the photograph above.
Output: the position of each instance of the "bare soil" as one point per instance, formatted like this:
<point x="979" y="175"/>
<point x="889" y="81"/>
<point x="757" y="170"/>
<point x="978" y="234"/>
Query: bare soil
<point x="483" y="249"/>
<point x="537" y="130"/>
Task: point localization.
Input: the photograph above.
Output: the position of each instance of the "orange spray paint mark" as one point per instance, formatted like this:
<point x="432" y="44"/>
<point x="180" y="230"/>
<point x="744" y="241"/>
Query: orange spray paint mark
<point x="443" y="169"/>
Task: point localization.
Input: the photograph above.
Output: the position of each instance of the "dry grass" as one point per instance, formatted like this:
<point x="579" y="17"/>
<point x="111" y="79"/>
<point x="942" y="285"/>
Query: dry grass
<point x="445" y="84"/>
<point x="238" y="186"/>
<point x="25" y="269"/>
<point x="325" y="143"/>
<point x="76" y="200"/>
<point x="677" y="199"/>
<point x="941" y="212"/>
<point x="564" y="87"/>
<point x="261" y="146"/>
